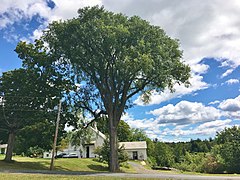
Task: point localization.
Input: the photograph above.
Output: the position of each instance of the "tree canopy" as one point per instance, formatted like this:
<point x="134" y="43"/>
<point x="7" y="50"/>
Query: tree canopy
<point x="30" y="94"/>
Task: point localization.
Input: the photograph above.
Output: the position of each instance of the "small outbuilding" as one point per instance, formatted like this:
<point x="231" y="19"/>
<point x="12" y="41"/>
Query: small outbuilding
<point x="3" y="148"/>
<point x="136" y="150"/>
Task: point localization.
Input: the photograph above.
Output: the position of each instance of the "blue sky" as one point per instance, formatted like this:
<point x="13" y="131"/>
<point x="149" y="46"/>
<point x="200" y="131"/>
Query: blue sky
<point x="209" y="33"/>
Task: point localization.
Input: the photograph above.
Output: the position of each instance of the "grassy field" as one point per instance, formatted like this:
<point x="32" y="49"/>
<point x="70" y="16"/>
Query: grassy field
<point x="74" y="164"/>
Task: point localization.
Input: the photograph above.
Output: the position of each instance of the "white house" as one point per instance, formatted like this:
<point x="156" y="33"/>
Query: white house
<point x="135" y="150"/>
<point x="3" y="148"/>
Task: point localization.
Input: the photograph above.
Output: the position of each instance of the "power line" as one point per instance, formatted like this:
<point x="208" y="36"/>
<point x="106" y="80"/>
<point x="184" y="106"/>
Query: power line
<point x="51" y="98"/>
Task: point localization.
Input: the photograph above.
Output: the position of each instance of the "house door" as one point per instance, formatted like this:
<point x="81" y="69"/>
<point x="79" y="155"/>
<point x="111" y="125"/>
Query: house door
<point x="135" y="155"/>
<point x="2" y="151"/>
<point x="87" y="152"/>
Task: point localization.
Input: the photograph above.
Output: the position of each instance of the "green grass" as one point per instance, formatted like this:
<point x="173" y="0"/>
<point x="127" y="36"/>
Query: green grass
<point x="73" y="164"/>
<point x="61" y="177"/>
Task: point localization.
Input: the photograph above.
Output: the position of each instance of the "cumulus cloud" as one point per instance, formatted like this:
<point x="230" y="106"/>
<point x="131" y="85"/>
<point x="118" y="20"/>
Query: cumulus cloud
<point x="232" y="81"/>
<point x="183" y="132"/>
<point x="231" y="105"/>
<point x="186" y="112"/>
<point x="214" y="102"/>
<point x="207" y="28"/>
<point x="15" y="11"/>
<point x="156" y="98"/>
<point x="206" y="129"/>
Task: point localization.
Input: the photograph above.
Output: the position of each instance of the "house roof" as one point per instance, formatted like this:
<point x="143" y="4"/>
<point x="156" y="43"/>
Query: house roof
<point x="99" y="133"/>
<point x="3" y="145"/>
<point x="134" y="145"/>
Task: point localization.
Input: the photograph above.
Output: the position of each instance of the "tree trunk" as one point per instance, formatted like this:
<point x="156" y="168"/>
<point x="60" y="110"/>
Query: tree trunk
<point x="11" y="139"/>
<point x="113" y="160"/>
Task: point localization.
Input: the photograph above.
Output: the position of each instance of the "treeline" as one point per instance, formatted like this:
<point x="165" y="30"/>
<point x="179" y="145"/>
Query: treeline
<point x="218" y="155"/>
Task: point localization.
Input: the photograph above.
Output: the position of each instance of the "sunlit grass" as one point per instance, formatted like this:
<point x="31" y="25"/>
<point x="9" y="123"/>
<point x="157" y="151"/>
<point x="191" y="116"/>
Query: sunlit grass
<point x="61" y="164"/>
<point x="61" y="177"/>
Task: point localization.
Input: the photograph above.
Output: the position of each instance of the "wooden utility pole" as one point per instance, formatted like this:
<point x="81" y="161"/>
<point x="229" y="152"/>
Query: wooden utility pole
<point x="55" y="136"/>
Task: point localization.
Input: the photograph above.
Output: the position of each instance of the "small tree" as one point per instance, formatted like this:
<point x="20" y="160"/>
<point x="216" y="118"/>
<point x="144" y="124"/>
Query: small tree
<point x="103" y="153"/>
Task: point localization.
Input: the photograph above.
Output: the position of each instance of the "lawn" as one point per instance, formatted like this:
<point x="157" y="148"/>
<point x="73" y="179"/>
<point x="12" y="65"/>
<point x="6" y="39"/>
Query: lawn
<point x="73" y="164"/>
<point x="61" y="177"/>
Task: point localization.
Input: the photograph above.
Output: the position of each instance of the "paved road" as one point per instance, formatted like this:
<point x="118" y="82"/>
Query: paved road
<point x="141" y="172"/>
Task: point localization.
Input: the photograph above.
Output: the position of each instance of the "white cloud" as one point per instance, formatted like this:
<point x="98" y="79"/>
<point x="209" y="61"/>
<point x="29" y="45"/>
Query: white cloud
<point x="207" y="28"/>
<point x="208" y="129"/>
<point x="232" y="105"/>
<point x="179" y="132"/>
<point x="229" y="71"/>
<point x="14" y="11"/>
<point x="180" y="90"/>
<point x="231" y="108"/>
<point x="185" y="113"/>
<point x="232" y="81"/>
<point x="214" y="102"/>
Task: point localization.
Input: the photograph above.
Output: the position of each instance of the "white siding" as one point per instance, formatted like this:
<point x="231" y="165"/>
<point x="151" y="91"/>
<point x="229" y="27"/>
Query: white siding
<point x="142" y="154"/>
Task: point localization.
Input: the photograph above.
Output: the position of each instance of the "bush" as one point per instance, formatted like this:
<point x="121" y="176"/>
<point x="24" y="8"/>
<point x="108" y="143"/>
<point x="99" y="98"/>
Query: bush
<point x="35" y="152"/>
<point x="213" y="164"/>
<point x="104" y="153"/>
<point x="192" y="162"/>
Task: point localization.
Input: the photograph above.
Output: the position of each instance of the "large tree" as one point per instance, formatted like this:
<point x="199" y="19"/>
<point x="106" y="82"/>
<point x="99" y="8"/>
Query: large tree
<point x="30" y="94"/>
<point x="120" y="57"/>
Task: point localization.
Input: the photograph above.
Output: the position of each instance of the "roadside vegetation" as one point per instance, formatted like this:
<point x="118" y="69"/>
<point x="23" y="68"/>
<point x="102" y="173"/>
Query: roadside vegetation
<point x="219" y="155"/>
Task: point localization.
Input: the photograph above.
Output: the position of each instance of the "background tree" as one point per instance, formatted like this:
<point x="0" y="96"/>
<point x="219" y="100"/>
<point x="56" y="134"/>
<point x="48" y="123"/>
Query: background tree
<point x="119" y="57"/>
<point x="164" y="154"/>
<point x="229" y="148"/>
<point x="124" y="132"/>
<point x="31" y="93"/>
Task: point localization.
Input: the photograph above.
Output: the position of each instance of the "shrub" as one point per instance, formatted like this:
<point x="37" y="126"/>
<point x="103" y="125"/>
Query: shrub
<point x="35" y="152"/>
<point x="104" y="153"/>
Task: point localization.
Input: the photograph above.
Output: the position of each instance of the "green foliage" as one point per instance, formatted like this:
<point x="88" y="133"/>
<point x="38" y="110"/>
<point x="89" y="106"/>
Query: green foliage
<point x="117" y="57"/>
<point x="213" y="164"/>
<point x="179" y="151"/>
<point x="164" y="154"/>
<point x="229" y="148"/>
<point x="35" y="152"/>
<point x="193" y="162"/>
<point x="104" y="153"/>
<point x="31" y="95"/>
<point x="199" y="146"/>
<point x="138" y="135"/>
<point x="32" y="135"/>
<point x="124" y="132"/>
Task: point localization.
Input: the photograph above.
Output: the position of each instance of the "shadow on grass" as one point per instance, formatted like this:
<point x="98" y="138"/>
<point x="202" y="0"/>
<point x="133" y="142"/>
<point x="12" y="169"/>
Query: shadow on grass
<point x="97" y="167"/>
<point x="23" y="165"/>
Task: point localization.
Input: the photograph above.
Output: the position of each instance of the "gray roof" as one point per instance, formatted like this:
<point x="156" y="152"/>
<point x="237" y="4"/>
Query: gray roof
<point x="134" y="145"/>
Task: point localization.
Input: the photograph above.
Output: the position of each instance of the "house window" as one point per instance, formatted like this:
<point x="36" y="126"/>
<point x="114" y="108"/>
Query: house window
<point x="135" y="155"/>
